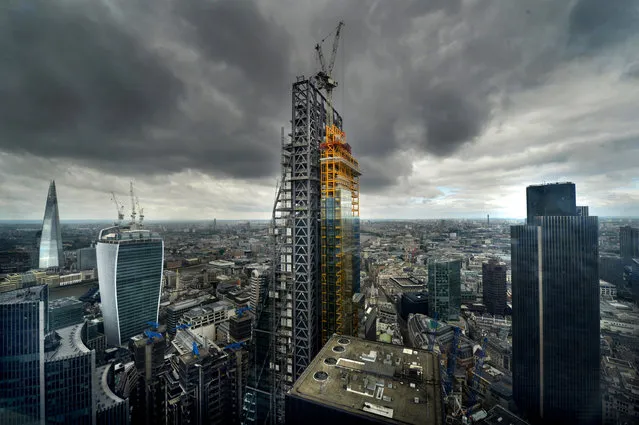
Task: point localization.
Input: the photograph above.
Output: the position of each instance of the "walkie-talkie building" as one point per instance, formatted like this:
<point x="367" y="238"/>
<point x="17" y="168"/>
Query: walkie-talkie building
<point x="51" y="252"/>
<point x="130" y="263"/>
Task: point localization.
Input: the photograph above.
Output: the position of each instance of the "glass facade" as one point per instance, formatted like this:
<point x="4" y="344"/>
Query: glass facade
<point x="555" y="292"/>
<point x="22" y="330"/>
<point x="444" y="289"/>
<point x="69" y="375"/>
<point x="51" y="252"/>
<point x="130" y="268"/>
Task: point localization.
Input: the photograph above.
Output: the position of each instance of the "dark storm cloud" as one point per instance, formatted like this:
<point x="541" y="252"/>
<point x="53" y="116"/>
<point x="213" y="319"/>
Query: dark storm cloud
<point x="79" y="81"/>
<point x="160" y="86"/>
<point x="69" y="77"/>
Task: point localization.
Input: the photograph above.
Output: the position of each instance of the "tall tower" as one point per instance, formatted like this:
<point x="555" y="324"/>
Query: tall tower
<point x="340" y="265"/>
<point x="444" y="288"/>
<point x="51" y="252"/>
<point x="23" y="325"/>
<point x="628" y="242"/>
<point x="130" y="264"/>
<point x="555" y="286"/>
<point x="494" y="286"/>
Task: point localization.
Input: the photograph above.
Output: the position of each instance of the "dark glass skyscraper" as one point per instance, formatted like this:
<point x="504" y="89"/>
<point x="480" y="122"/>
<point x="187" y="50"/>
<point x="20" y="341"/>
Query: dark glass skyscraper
<point x="23" y="325"/>
<point x="628" y="242"/>
<point x="494" y="286"/>
<point x="130" y="263"/>
<point x="555" y="286"/>
<point x="51" y="252"/>
<point x="556" y="199"/>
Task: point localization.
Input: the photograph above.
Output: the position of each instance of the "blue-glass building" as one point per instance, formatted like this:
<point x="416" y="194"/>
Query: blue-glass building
<point x="23" y="325"/>
<point x="51" y="252"/>
<point x="130" y="263"/>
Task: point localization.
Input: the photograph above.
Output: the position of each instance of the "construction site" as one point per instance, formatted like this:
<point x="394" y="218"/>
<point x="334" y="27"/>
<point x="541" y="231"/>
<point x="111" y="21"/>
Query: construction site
<point x="315" y="245"/>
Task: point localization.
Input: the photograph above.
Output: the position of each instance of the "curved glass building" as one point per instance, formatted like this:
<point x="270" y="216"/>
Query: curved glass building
<point x="51" y="253"/>
<point x="130" y="264"/>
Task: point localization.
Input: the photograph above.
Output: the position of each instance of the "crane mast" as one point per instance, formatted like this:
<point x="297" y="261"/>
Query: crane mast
<point x="119" y="208"/>
<point x="133" y="214"/>
<point x="324" y="76"/>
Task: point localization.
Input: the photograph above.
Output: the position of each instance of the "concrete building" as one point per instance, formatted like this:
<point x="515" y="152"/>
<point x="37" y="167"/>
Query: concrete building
<point x="147" y="396"/>
<point x="357" y="381"/>
<point x="556" y="350"/>
<point x="51" y="252"/>
<point x="444" y="289"/>
<point x="205" y="319"/>
<point x="175" y="311"/>
<point x="130" y="262"/>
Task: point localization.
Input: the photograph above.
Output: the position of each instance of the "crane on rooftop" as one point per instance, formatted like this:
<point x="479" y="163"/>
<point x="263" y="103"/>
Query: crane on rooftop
<point x="119" y="207"/>
<point x="324" y="76"/>
<point x="140" y="210"/>
<point x="133" y="214"/>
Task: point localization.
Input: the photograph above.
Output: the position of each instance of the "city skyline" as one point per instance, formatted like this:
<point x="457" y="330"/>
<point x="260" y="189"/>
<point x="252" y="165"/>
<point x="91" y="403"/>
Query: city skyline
<point x="467" y="119"/>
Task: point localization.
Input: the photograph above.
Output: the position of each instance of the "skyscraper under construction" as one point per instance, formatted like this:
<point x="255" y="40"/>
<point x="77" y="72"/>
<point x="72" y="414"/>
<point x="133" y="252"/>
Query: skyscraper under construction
<point x="315" y="242"/>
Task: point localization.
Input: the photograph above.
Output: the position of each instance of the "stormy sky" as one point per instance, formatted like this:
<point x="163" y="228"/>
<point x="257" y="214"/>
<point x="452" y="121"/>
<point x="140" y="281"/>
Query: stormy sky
<point x="451" y="106"/>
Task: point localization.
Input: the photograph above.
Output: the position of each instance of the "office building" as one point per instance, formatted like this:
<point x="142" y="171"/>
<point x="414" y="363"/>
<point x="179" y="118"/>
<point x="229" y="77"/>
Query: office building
<point x="110" y="409"/>
<point x="23" y="325"/>
<point x="556" y="199"/>
<point x="51" y="253"/>
<point x="555" y="293"/>
<point x="494" y="286"/>
<point x="628" y="242"/>
<point x="147" y="394"/>
<point x="130" y="262"/>
<point x="583" y="211"/>
<point x="65" y="312"/>
<point x="353" y="380"/>
<point x="340" y="264"/>
<point x="175" y="312"/>
<point x="444" y="288"/>
<point x="86" y="259"/>
<point x="69" y="376"/>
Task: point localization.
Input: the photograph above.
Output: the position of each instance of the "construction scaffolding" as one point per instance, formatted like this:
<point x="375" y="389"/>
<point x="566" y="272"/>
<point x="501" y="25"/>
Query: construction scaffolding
<point x="340" y="235"/>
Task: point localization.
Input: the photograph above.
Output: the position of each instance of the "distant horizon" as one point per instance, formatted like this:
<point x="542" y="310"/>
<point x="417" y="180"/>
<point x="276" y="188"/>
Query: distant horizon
<point x="482" y="218"/>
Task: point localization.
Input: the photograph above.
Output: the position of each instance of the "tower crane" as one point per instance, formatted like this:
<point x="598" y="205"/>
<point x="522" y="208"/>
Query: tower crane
<point x="119" y="207"/>
<point x="132" y="204"/>
<point x="140" y="210"/>
<point x="324" y="76"/>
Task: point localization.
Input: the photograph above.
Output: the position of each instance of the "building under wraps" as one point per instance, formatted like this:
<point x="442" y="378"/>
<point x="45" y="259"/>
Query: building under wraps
<point x="340" y="263"/>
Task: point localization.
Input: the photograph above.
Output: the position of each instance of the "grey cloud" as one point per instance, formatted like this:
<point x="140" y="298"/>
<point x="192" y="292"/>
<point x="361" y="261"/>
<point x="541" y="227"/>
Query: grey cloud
<point x="596" y="24"/>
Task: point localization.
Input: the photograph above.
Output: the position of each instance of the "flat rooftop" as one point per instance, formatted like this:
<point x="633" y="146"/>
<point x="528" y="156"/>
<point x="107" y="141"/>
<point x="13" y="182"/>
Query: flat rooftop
<point x="375" y="380"/>
<point x="70" y="343"/>
<point x="31" y="294"/>
<point x="500" y="416"/>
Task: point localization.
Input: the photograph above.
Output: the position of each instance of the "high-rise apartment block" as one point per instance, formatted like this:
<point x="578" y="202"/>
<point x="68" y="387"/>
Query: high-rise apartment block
<point x="130" y="263"/>
<point x="51" y="251"/>
<point x="444" y="288"/>
<point x="555" y="287"/>
<point x="494" y="286"/>
<point x="628" y="242"/>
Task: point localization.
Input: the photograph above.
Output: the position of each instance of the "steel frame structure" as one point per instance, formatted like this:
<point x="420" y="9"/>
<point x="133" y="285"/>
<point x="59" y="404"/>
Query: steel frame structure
<point x="294" y="295"/>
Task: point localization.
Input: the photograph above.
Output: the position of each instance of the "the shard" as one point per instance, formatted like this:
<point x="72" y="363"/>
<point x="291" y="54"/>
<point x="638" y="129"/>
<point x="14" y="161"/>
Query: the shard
<point x="51" y="253"/>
